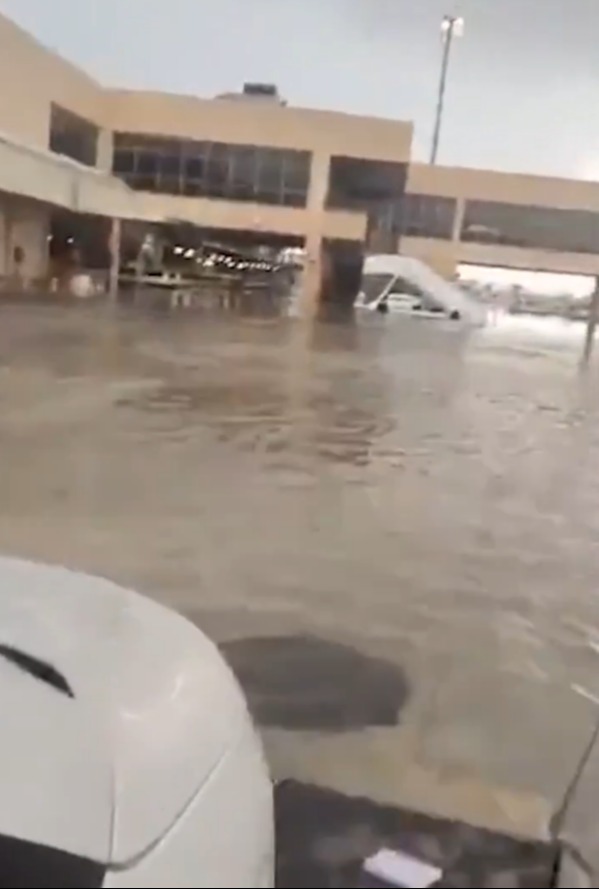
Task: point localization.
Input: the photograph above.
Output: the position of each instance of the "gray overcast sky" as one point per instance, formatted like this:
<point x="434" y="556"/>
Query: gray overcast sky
<point x="524" y="85"/>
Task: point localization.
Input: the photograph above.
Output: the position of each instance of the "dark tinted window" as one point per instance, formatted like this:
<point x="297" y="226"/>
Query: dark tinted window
<point x="25" y="865"/>
<point x="213" y="169"/>
<point x="544" y="228"/>
<point x="428" y="216"/>
<point x="73" y="136"/>
<point x="170" y="165"/>
<point x="296" y="172"/>
<point x="146" y="163"/>
<point x="124" y="161"/>
<point x="243" y="171"/>
<point x="361" y="184"/>
<point x="194" y="168"/>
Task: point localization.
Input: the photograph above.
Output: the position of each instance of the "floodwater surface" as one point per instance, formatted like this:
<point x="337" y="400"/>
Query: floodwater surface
<point x="391" y="525"/>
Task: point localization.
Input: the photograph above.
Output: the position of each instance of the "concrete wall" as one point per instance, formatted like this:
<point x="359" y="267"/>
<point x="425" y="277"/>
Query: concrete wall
<point x="261" y="123"/>
<point x="32" y="78"/>
<point x="323" y="133"/>
<point x="489" y="185"/>
<point x="445" y="256"/>
<point x="24" y="224"/>
<point x="42" y="176"/>
<point x="527" y="259"/>
<point x="252" y="217"/>
<point x="539" y="191"/>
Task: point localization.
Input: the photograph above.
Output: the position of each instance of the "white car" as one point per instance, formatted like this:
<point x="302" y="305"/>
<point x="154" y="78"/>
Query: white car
<point x="128" y="757"/>
<point x="399" y="302"/>
<point x="403" y="285"/>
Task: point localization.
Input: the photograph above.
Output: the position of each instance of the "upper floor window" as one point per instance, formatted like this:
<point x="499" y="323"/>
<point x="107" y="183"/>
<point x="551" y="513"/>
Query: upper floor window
<point x="213" y="169"/>
<point x="541" y="228"/>
<point x="73" y="136"/>
<point x="428" y="216"/>
<point x="362" y="184"/>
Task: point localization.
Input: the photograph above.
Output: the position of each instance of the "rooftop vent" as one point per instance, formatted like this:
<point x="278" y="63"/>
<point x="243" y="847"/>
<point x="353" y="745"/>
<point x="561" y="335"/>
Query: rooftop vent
<point x="261" y="92"/>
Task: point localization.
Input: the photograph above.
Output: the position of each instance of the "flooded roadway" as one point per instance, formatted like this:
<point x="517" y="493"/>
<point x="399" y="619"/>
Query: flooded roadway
<point x="419" y="498"/>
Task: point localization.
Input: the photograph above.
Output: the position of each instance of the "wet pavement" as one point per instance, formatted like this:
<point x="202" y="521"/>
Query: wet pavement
<point x="414" y="507"/>
<point x="324" y="838"/>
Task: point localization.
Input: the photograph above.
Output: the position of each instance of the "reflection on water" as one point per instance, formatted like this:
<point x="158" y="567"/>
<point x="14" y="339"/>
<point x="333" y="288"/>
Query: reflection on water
<point x="426" y="494"/>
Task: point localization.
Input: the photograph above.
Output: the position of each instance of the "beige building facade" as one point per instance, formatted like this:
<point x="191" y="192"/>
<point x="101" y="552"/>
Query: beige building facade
<point x="260" y="169"/>
<point x="509" y="220"/>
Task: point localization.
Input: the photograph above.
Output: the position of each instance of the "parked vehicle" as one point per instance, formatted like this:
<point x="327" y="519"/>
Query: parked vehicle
<point x="397" y="284"/>
<point x="128" y="757"/>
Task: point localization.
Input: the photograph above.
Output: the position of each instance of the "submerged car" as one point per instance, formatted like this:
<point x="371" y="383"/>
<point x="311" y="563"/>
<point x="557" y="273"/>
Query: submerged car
<point x="397" y="284"/>
<point x="129" y="758"/>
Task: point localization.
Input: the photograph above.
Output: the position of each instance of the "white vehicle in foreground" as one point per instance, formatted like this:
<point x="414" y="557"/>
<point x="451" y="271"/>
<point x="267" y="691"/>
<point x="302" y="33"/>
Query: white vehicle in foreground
<point x="403" y="285"/>
<point x="128" y="757"/>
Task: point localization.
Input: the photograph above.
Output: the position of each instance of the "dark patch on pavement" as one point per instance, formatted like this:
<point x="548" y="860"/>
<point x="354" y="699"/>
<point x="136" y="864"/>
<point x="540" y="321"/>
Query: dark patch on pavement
<point x="323" y="838"/>
<point x="306" y="683"/>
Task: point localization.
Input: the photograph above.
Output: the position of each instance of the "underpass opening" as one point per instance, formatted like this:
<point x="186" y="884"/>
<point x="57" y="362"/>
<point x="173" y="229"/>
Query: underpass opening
<point x="343" y="262"/>
<point x="180" y="264"/>
<point x="530" y="291"/>
<point x="376" y="188"/>
<point x="247" y="254"/>
<point x="78" y="244"/>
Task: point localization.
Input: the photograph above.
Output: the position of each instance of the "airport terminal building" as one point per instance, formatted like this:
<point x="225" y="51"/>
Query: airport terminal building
<point x="251" y="169"/>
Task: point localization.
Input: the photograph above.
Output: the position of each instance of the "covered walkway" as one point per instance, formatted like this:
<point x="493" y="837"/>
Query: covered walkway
<point x="34" y="185"/>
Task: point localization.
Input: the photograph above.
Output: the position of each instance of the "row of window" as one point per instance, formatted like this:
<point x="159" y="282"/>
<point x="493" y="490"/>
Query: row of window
<point x="493" y="222"/>
<point x="360" y="184"/>
<point x="416" y="216"/>
<point x="540" y="228"/>
<point x="282" y="177"/>
<point x="213" y="169"/>
<point x="427" y="216"/>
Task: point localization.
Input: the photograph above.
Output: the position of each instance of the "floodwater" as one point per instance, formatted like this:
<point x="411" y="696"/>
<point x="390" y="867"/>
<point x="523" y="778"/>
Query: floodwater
<point x="419" y="496"/>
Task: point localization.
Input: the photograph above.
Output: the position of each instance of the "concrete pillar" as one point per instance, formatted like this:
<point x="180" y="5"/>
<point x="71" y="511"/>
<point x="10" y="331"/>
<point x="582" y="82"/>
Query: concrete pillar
<point x="3" y="248"/>
<point x="15" y="255"/>
<point x="317" y="198"/>
<point x="589" y="342"/>
<point x="312" y="280"/>
<point x="9" y="227"/>
<point x="313" y="271"/>
<point x="105" y="151"/>
<point x="115" y="259"/>
<point x="458" y="221"/>
<point x="319" y="182"/>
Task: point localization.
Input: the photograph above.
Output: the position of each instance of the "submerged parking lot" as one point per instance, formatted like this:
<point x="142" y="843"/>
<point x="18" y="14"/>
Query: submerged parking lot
<point x="389" y="525"/>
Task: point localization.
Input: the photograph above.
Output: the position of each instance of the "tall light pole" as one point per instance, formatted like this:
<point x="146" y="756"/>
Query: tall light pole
<point x="592" y="324"/>
<point x="452" y="26"/>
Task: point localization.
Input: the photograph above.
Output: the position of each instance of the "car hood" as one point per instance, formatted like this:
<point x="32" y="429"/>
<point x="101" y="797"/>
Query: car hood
<point x="122" y="712"/>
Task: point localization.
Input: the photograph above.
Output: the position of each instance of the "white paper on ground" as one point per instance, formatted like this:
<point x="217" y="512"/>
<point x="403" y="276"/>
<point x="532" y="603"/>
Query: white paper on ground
<point x="402" y="870"/>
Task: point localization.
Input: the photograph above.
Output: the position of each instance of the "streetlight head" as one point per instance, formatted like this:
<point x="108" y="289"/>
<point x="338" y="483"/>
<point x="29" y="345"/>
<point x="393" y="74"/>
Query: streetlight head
<point x="453" y="25"/>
